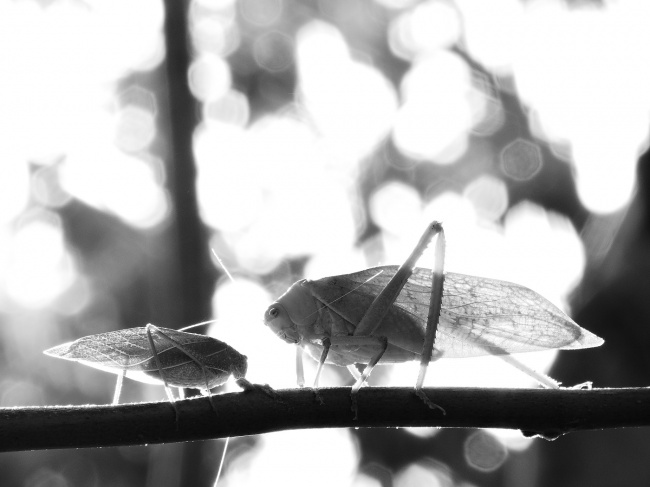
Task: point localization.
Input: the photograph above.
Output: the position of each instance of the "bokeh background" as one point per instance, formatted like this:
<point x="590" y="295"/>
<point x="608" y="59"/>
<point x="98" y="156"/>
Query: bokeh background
<point x="311" y="138"/>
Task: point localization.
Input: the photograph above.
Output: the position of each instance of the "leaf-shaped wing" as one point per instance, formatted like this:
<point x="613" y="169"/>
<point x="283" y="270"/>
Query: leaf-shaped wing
<point x="479" y="316"/>
<point x="503" y="318"/>
<point x="187" y="359"/>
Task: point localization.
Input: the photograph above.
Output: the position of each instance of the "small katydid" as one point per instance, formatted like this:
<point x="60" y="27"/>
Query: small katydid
<point x="158" y="355"/>
<point x="389" y="315"/>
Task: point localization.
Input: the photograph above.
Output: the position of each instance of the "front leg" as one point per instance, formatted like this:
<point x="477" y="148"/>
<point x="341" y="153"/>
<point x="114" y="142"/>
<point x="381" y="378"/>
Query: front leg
<point x="300" y="369"/>
<point x="327" y="343"/>
<point x="378" y="343"/>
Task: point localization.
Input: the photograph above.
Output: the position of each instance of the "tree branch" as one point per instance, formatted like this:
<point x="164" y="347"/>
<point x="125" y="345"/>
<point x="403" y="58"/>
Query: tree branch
<point x="549" y="413"/>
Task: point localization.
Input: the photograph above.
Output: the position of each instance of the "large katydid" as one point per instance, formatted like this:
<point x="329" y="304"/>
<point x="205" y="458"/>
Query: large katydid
<point x="390" y="315"/>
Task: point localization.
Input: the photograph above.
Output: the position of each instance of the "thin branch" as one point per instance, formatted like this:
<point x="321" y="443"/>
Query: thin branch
<point x="549" y="413"/>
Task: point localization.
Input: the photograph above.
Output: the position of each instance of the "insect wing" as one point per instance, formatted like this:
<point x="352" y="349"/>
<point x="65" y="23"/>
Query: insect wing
<point x="114" y="350"/>
<point x="130" y="350"/>
<point x="480" y="316"/>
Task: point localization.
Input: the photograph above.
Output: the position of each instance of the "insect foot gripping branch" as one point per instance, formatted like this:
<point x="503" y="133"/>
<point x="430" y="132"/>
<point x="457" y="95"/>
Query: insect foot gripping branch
<point x="158" y="355"/>
<point x="387" y="314"/>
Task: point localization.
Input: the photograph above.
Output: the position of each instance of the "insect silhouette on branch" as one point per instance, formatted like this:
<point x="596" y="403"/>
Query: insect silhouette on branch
<point x="158" y="355"/>
<point x="393" y="314"/>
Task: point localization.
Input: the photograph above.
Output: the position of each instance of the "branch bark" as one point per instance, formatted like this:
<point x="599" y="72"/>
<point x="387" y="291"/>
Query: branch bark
<point x="548" y="413"/>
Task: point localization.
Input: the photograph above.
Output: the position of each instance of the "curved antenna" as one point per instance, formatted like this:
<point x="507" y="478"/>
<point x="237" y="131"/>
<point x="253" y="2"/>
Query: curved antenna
<point x="197" y="324"/>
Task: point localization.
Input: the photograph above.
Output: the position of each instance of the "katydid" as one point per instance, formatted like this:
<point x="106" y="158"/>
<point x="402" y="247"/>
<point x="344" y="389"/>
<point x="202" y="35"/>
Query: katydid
<point x="390" y="315"/>
<point x="157" y="355"/>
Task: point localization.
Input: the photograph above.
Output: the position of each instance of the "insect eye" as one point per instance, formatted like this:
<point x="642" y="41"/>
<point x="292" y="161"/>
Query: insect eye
<point x="274" y="312"/>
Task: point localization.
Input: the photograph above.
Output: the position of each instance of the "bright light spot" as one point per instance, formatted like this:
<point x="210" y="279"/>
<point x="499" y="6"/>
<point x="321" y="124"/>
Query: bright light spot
<point x="605" y="172"/>
<point x="129" y="36"/>
<point x="521" y="160"/>
<point x="423" y="473"/>
<point x="467" y="242"/>
<point x="263" y="464"/>
<point x="214" y="28"/>
<point x="399" y="36"/>
<point x="142" y="202"/>
<point x="209" y="78"/>
<point x="46" y="188"/>
<point x="422" y="432"/>
<point x="582" y="72"/>
<point x="108" y="179"/>
<point x="489" y="196"/>
<point x="437" y="114"/>
<point x="340" y="259"/>
<point x="441" y="72"/>
<point x="261" y="12"/>
<point x="512" y="439"/>
<point x="489" y="31"/>
<point x="36" y="266"/>
<point x="232" y="108"/>
<point x="484" y="452"/>
<point x="209" y="35"/>
<point x="545" y="250"/>
<point x="396" y="207"/>
<point x="291" y="199"/>
<point x="226" y="178"/>
<point x="80" y="79"/>
<point x="352" y="104"/>
<point x="258" y="248"/>
<point x="135" y="129"/>
<point x="216" y="5"/>
<point x="273" y="51"/>
<point x="239" y="308"/>
<point x="431" y="25"/>
<point x="421" y="134"/>
<point x="71" y="115"/>
<point x="140" y="97"/>
<point x="434" y="24"/>
<point x="490" y="118"/>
